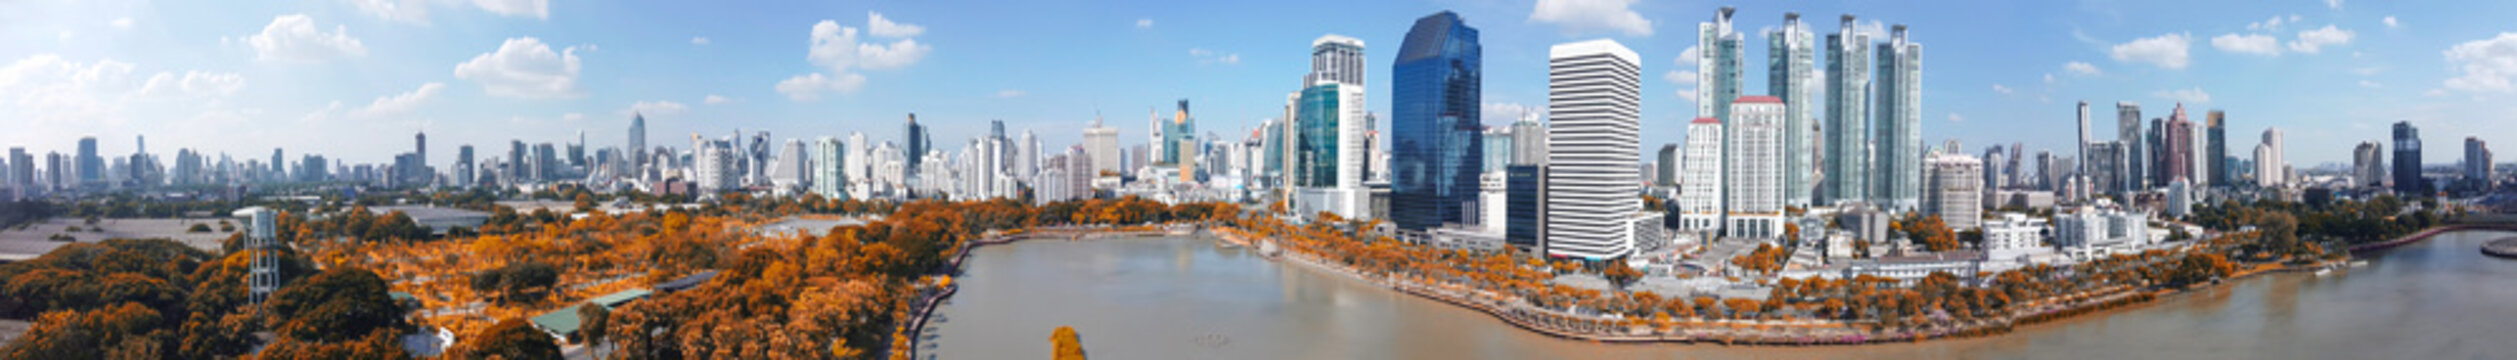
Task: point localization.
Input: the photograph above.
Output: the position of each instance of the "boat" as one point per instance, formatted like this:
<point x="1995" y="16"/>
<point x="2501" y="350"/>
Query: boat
<point x="2322" y="272"/>
<point x="2359" y="263"/>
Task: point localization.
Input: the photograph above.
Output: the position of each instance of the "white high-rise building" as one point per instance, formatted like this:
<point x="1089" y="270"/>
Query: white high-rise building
<point x="1954" y="190"/>
<point x="2270" y="169"/>
<point x="1331" y="146"/>
<point x="1755" y="168"/>
<point x="1027" y="156"/>
<point x="713" y="167"/>
<point x="1595" y="107"/>
<point x="792" y="169"/>
<point x="1700" y="177"/>
<point x="1899" y="145"/>
<point x="1791" y="75"/>
<point x="1336" y="58"/>
<point x="1102" y="143"/>
<point x="829" y="168"/>
<point x="1720" y="57"/>
<point x="859" y="170"/>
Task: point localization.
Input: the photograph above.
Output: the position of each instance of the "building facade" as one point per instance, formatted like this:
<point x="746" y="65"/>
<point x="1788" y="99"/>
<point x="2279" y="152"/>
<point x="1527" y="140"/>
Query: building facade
<point x="2408" y="179"/>
<point x="1847" y="145"/>
<point x="1899" y="150"/>
<point x="1700" y="195"/>
<point x="1595" y="106"/>
<point x="1791" y="60"/>
<point x="1437" y="147"/>
<point x="1754" y="166"/>
<point x="1955" y="191"/>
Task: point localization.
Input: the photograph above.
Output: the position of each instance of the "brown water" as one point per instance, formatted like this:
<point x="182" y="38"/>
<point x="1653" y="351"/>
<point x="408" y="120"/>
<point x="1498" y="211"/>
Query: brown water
<point x="1186" y="298"/>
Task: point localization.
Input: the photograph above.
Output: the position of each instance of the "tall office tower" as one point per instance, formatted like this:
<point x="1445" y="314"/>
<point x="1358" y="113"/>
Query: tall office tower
<point x="2010" y="167"/>
<point x="1155" y="141"/>
<point x="1438" y="149"/>
<point x="1102" y="143"/>
<point x="2368" y="165"/>
<point x="713" y="166"/>
<point x="91" y="166"/>
<point x="1791" y="63"/>
<point x="21" y="170"/>
<point x="1665" y="168"/>
<point x="1330" y="148"/>
<point x="1956" y="193"/>
<point x="1290" y="165"/>
<point x="1847" y="173"/>
<point x="2408" y="179"/>
<point x="546" y="162"/>
<point x="1180" y="145"/>
<point x="1700" y="199"/>
<point x="2128" y="121"/>
<point x="1595" y="107"/>
<point x="279" y="167"/>
<point x="859" y="158"/>
<point x="2048" y="172"/>
<point x="1027" y="156"/>
<point x="2156" y="154"/>
<point x="53" y="179"/>
<point x="1339" y="58"/>
<point x="1993" y="168"/>
<point x="919" y="145"/>
<point x="2477" y="166"/>
<point x="2083" y="146"/>
<point x="1753" y="169"/>
<point x="756" y="162"/>
<point x="1719" y="60"/>
<point x="2216" y="148"/>
<point x="516" y="164"/>
<point x="2269" y="164"/>
<point x="1498" y="149"/>
<point x="637" y="143"/>
<point x="1899" y="121"/>
<point x="419" y="146"/>
<point x="1529" y="141"/>
<point x="2197" y="151"/>
<point x="792" y="170"/>
<point x="463" y="176"/>
<point x="2177" y="149"/>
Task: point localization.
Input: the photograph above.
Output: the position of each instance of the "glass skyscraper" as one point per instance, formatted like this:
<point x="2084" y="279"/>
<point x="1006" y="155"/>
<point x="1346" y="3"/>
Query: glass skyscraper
<point x="1898" y="166"/>
<point x="1791" y="61"/>
<point x="1437" y="145"/>
<point x="1848" y="124"/>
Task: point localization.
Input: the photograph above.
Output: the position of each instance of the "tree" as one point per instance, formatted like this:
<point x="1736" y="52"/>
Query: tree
<point x="527" y="280"/>
<point x="585" y="202"/>
<point x="123" y="331"/>
<point x="508" y="339"/>
<point x="1065" y="343"/>
<point x="592" y="318"/>
<point x="339" y="304"/>
<point x="1620" y="274"/>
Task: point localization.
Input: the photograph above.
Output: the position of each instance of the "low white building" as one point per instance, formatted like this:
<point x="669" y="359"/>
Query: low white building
<point x="2090" y="231"/>
<point x="2014" y="237"/>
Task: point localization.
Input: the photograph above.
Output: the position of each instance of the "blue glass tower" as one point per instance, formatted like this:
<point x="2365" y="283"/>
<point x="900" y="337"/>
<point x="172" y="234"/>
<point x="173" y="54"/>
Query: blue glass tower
<point x="1436" y="140"/>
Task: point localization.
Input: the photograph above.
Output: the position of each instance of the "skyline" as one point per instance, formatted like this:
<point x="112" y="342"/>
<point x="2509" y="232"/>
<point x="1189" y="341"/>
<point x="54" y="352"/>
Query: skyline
<point x="469" y="74"/>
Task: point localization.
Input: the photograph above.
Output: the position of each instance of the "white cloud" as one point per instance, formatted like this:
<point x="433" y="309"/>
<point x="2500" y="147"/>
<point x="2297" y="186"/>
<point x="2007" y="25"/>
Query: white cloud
<point x="1685" y="80"/>
<point x="125" y="22"/>
<point x="1010" y="93"/>
<point x="1876" y="30"/>
<point x="836" y="47"/>
<point x="2004" y="90"/>
<point x="572" y="117"/>
<point x="524" y="68"/>
<point x="2188" y="96"/>
<point x="2082" y="69"/>
<point x="877" y="25"/>
<point x="1688" y="58"/>
<point x="2049" y="78"/>
<point x="2371" y="84"/>
<point x="538" y="9"/>
<point x="1204" y="56"/>
<point x="2273" y="24"/>
<point x="409" y="11"/>
<point x="809" y="87"/>
<point x="2311" y="41"/>
<point x="194" y="83"/>
<point x="405" y="103"/>
<point x="657" y="108"/>
<point x="2335" y="4"/>
<point x="1145" y="23"/>
<point x="2165" y="51"/>
<point x="294" y="37"/>
<point x="1505" y="112"/>
<point x="2487" y="65"/>
<point x="714" y="99"/>
<point x="2391" y="23"/>
<point x="1955" y="118"/>
<point x="2257" y="44"/>
<point x="698" y="40"/>
<point x="1581" y="16"/>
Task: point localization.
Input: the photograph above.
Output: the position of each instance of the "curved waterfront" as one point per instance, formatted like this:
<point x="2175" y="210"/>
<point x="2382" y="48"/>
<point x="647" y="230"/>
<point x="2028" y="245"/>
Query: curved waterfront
<point x="1155" y="298"/>
<point x="2506" y="248"/>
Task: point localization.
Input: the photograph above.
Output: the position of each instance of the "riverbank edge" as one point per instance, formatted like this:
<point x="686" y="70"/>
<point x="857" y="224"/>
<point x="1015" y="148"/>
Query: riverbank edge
<point x="926" y="306"/>
<point x="1722" y="332"/>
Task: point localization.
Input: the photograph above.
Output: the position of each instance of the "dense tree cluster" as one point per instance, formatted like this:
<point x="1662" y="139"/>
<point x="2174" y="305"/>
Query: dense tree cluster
<point x="2296" y="229"/>
<point x="1929" y="231"/>
<point x="1766" y="259"/>
<point x="158" y="299"/>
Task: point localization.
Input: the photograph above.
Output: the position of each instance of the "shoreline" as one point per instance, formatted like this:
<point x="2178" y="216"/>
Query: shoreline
<point x="1551" y="323"/>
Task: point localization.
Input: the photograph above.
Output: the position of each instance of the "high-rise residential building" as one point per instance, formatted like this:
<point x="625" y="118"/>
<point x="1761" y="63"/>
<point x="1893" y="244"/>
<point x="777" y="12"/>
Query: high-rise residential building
<point x="2216" y="147"/>
<point x="2270" y="168"/>
<point x="1665" y="167"/>
<point x="1791" y="60"/>
<point x="1529" y="141"/>
<point x="1437" y="148"/>
<point x="1719" y="59"/>
<point x="1955" y="190"/>
<point x="91" y="167"/>
<point x="1026" y="156"/>
<point x="2083" y="146"/>
<point x="1595" y="109"/>
<point x="2177" y="148"/>
<point x="2128" y="123"/>
<point x="2477" y="165"/>
<point x="2368" y="165"/>
<point x="637" y="143"/>
<point x="21" y="170"/>
<point x="713" y="166"/>
<point x="2408" y="179"/>
<point x="1102" y="143"/>
<point x="1899" y="120"/>
<point x="1753" y="169"/>
<point x="1340" y="58"/>
<point x="1700" y="198"/>
<point x="1330" y="147"/>
<point x="828" y="160"/>
<point x="919" y="143"/>
<point x="1993" y="159"/>
<point x="1847" y="174"/>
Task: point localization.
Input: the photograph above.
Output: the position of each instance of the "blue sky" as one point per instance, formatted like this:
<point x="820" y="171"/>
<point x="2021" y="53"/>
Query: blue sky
<point x="354" y="78"/>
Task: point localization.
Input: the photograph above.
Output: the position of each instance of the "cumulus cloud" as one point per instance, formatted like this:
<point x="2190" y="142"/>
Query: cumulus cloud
<point x="1504" y="112"/>
<point x="2335" y="4"/>
<point x="1955" y="118"/>
<point x="2004" y="90"/>
<point x="1583" y="16"/>
<point x="1145" y="23"/>
<point x="294" y="37"/>
<point x="809" y="87"/>
<point x="2081" y="68"/>
<point x="2257" y="44"/>
<point x="876" y="24"/>
<point x="524" y="68"/>
<point x="2273" y="24"/>
<point x="2188" y="96"/>
<point x="657" y="108"/>
<point x="396" y="105"/>
<point x="538" y="9"/>
<point x="2486" y="65"/>
<point x="2390" y="22"/>
<point x="838" y="49"/>
<point x="47" y="95"/>
<point x="2165" y="51"/>
<point x="409" y="11"/>
<point x="714" y="99"/>
<point x="194" y="83"/>
<point x="2311" y="41"/>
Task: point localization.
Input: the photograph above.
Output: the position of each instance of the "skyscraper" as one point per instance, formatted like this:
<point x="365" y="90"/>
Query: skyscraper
<point x="463" y="167"/>
<point x="1331" y="150"/>
<point x="1900" y="123"/>
<point x="1753" y="168"/>
<point x="2368" y="165"/>
<point x="1101" y="142"/>
<point x="1847" y="146"/>
<point x="1790" y="64"/>
<point x="2128" y="121"/>
<point x="2083" y="146"/>
<point x="2477" y="166"/>
<point x="637" y="143"/>
<point x="91" y="166"/>
<point x="1718" y="61"/>
<point x="2408" y="179"/>
<point x="2177" y="148"/>
<point x="2271" y="169"/>
<point x="1956" y="191"/>
<point x="919" y="144"/>
<point x="1665" y="167"/>
<point x="2215" y="162"/>
<point x="1437" y="149"/>
<point x="829" y="159"/>
<point x="1700" y="199"/>
<point x="1339" y="58"/>
<point x="1595" y="104"/>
